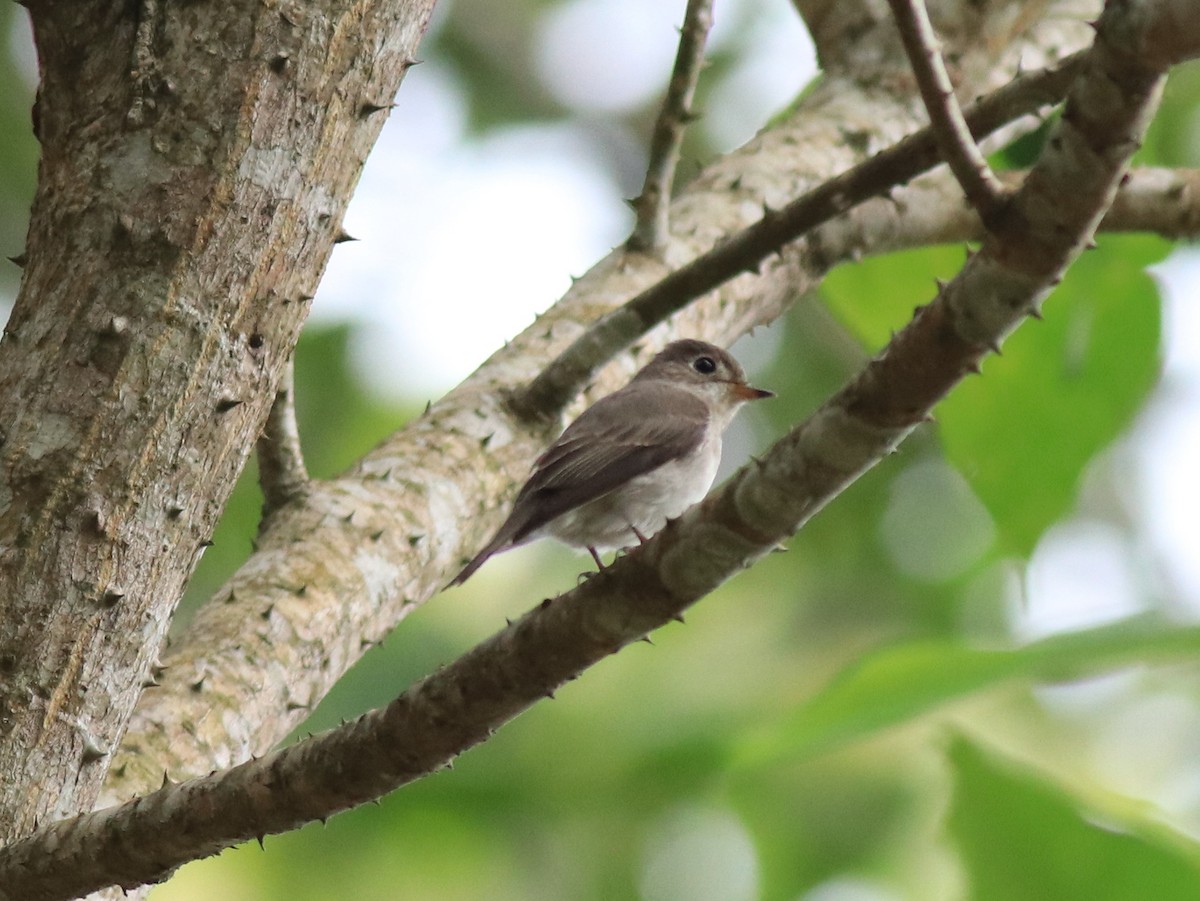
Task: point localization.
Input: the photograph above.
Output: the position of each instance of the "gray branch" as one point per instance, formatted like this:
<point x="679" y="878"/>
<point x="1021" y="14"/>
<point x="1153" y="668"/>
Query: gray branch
<point x="281" y="471"/>
<point x="747" y="250"/>
<point x="764" y="503"/>
<point x="984" y="191"/>
<point x="653" y="205"/>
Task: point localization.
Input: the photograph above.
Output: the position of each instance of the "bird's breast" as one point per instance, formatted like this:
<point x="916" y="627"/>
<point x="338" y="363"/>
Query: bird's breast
<point x="644" y="503"/>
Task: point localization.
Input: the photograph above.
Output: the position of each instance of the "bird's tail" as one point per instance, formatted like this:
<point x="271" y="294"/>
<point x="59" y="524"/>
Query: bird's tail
<point x="499" y="543"/>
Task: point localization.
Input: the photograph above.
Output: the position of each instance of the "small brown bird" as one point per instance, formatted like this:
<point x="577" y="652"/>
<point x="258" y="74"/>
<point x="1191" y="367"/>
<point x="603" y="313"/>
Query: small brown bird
<point x="632" y="460"/>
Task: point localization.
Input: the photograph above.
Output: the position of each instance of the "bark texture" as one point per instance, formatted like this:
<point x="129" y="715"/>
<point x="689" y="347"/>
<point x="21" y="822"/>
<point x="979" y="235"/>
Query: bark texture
<point x="342" y="563"/>
<point x="337" y="572"/>
<point x="187" y="202"/>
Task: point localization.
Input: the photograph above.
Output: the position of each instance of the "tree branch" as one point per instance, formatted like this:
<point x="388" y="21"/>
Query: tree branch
<point x="281" y="471"/>
<point x="1165" y="202"/>
<point x="952" y="132"/>
<point x="653" y="205"/>
<point x="335" y="574"/>
<point x="746" y="251"/>
<point x="162" y="240"/>
<point x="744" y="519"/>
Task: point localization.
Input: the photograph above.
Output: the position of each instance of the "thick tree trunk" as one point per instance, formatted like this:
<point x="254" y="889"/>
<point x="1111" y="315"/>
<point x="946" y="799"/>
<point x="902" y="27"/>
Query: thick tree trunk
<point x="196" y="162"/>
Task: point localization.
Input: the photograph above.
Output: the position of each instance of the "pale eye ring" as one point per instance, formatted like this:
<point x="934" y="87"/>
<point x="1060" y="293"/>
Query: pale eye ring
<point x="704" y="365"/>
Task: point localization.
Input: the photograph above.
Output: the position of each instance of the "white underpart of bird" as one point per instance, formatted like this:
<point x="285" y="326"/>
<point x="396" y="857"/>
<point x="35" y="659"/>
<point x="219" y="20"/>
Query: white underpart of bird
<point x="634" y="459"/>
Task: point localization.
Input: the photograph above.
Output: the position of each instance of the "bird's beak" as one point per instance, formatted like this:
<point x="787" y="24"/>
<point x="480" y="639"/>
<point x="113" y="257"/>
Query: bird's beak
<point x="748" y="392"/>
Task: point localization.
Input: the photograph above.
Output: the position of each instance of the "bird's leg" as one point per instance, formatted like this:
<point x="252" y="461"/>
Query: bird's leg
<point x="642" y="539"/>
<point x="601" y="569"/>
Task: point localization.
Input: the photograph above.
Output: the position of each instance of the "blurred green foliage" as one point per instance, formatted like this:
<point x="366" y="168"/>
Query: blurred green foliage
<point x="1023" y="836"/>
<point x="18" y="148"/>
<point x="791" y="740"/>
<point x="1062" y="389"/>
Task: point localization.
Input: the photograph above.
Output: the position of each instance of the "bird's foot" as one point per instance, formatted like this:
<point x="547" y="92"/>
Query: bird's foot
<point x="601" y="569"/>
<point x="596" y="556"/>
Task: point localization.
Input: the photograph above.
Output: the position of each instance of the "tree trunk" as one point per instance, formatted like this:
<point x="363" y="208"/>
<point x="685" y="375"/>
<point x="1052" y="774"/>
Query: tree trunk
<point x="196" y="163"/>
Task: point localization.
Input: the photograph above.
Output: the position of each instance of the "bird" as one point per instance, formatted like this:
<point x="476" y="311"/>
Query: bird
<point x="634" y="459"/>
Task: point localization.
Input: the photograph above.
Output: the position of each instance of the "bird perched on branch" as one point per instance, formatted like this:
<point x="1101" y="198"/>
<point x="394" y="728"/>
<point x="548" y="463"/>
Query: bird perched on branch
<point x="634" y="459"/>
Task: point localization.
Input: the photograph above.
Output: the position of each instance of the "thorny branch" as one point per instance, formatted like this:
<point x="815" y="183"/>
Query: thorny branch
<point x="653" y="205"/>
<point x="763" y="503"/>
<point x="954" y="139"/>
<point x="1164" y="202"/>
<point x="561" y="380"/>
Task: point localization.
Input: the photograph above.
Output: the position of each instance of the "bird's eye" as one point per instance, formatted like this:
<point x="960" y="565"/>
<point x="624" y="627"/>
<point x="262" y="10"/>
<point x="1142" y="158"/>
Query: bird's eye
<point x="705" y="365"/>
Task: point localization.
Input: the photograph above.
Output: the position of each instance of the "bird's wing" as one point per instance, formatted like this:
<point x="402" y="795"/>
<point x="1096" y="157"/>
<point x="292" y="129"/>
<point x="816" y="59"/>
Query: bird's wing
<point x="624" y="435"/>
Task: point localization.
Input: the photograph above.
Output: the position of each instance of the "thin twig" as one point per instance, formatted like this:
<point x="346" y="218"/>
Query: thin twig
<point x="745" y="251"/>
<point x="654" y="203"/>
<point x="984" y="191"/>
<point x="281" y="470"/>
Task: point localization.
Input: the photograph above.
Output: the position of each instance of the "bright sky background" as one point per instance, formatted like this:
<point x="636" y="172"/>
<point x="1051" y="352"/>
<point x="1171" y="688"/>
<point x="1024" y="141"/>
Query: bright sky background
<point x="463" y="239"/>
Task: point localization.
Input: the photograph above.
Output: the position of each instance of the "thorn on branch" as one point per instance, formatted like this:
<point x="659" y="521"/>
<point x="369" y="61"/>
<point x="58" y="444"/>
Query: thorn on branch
<point x="369" y="109"/>
<point x="93" y="750"/>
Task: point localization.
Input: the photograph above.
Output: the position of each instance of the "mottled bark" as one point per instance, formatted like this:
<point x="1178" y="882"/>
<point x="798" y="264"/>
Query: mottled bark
<point x="196" y="162"/>
<point x="343" y="563"/>
<point x="334" y="574"/>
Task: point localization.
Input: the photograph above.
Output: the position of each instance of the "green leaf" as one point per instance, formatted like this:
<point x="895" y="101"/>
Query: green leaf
<point x="875" y="297"/>
<point x="1064" y="389"/>
<point x="900" y="683"/>
<point x="1171" y="140"/>
<point x="1022" y="836"/>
